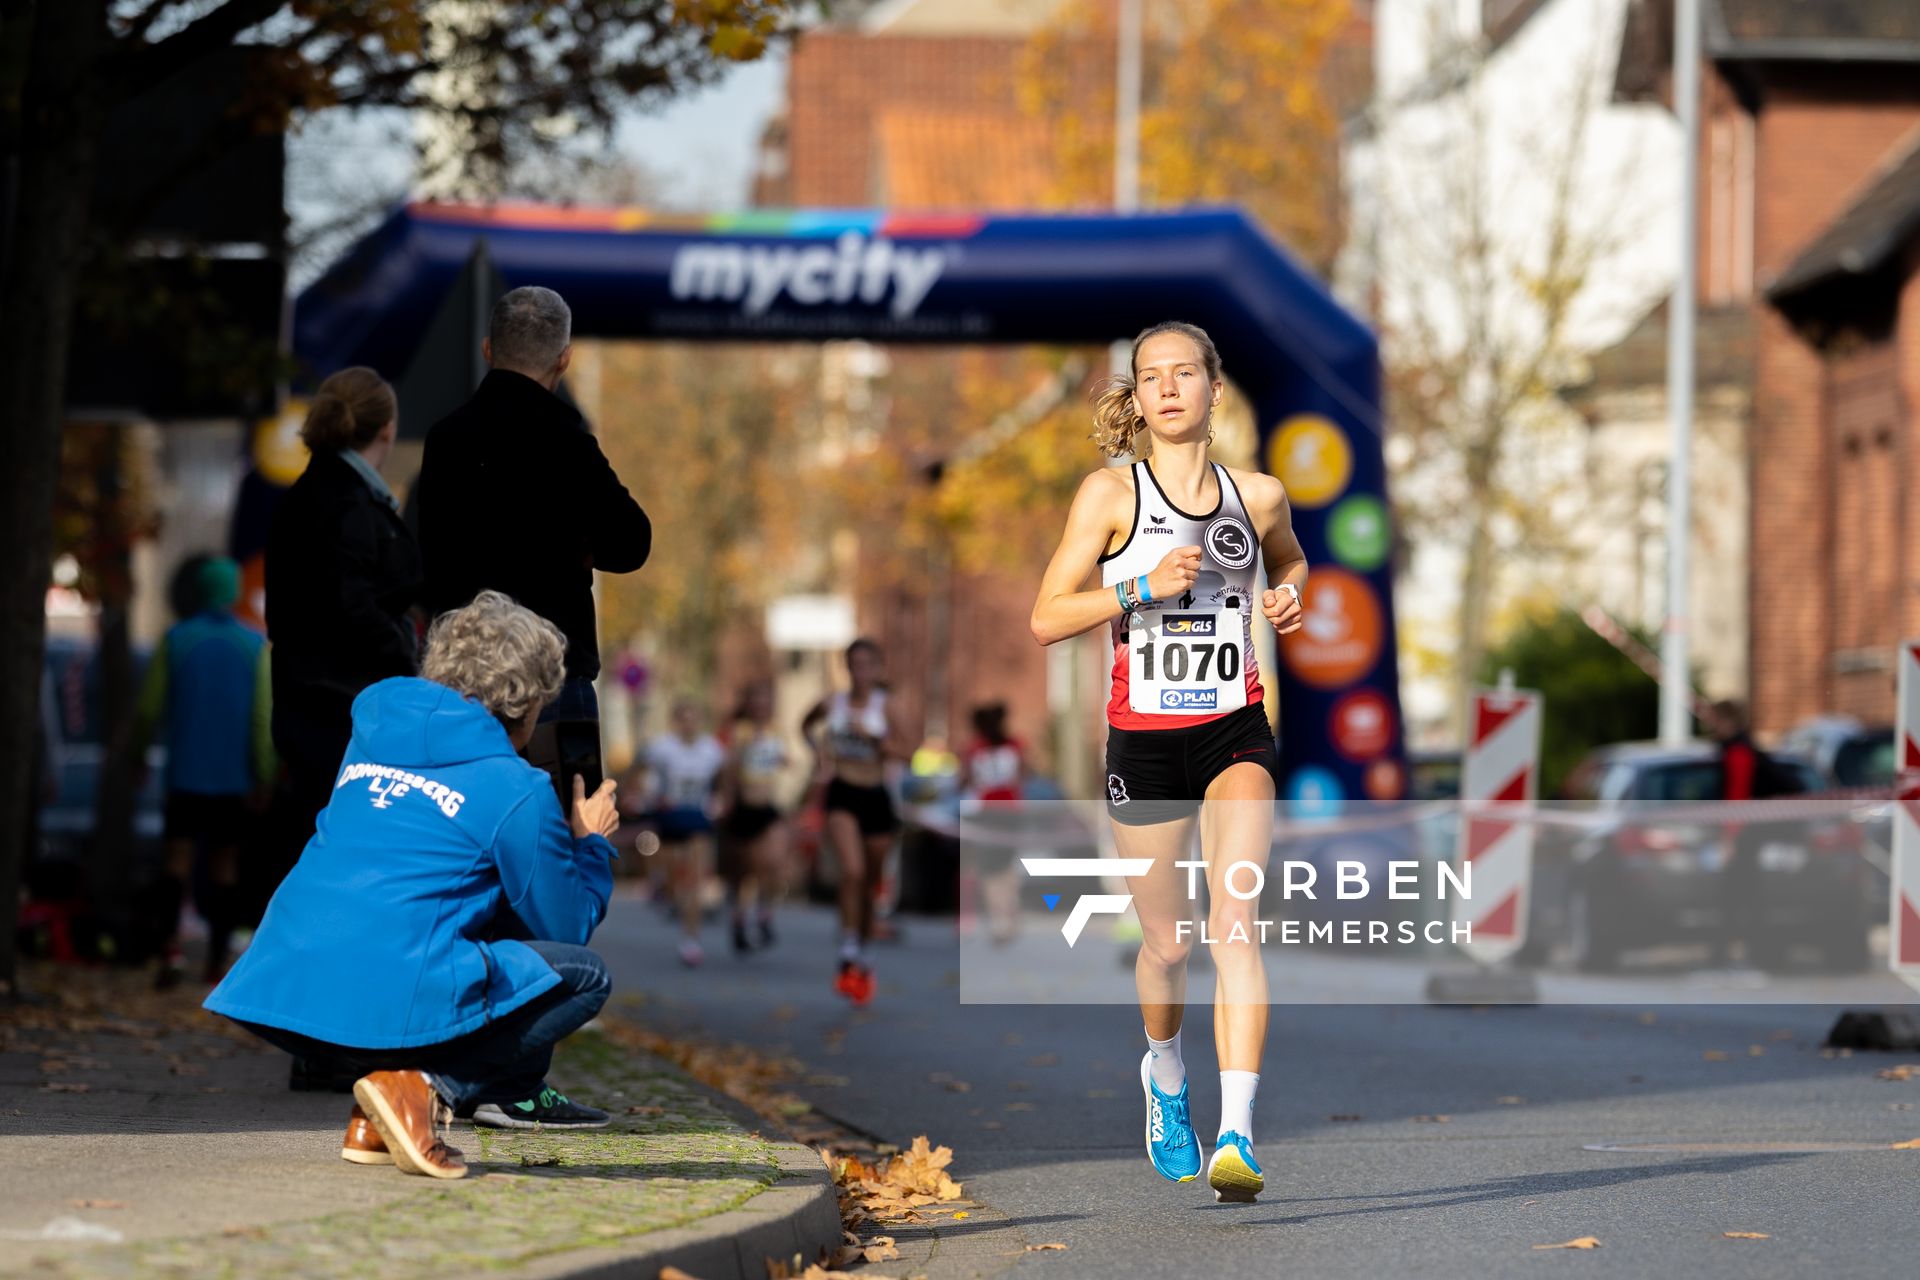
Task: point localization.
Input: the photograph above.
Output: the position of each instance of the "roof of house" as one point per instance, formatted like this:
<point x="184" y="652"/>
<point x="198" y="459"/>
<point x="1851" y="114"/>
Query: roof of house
<point x="1766" y="31"/>
<point x="1882" y="217"/>
<point x="1723" y="353"/>
<point x="931" y="159"/>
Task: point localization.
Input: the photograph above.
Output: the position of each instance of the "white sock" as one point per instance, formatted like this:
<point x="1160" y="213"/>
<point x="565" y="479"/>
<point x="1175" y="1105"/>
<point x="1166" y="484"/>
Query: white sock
<point x="849" y="945"/>
<point x="1236" y="1101"/>
<point x="1168" y="1071"/>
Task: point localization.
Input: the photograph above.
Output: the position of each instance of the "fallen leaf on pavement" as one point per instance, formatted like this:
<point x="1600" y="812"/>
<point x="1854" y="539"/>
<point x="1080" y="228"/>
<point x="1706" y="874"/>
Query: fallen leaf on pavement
<point x="991" y="1124"/>
<point x="98" y="1204"/>
<point x="1044" y="1248"/>
<point x="1746" y="1235"/>
<point x="1511" y="1100"/>
<point x="1715" y="1055"/>
<point x="1905" y="1071"/>
<point x="959" y="1086"/>
<point x="646" y="1111"/>
<point x="1911" y="1144"/>
<point x="1583" y="1242"/>
<point x="879" y="1249"/>
<point x="1433" y="1119"/>
<point x="959" y="1215"/>
<point x="1899" y="1106"/>
<point x="65" y="1086"/>
<point x="675" y="1273"/>
<point x="1345" y="1117"/>
<point x="1018" y="1106"/>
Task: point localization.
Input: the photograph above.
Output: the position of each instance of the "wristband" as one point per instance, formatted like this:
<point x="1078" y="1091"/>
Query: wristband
<point x="1146" y="596"/>
<point x="1120" y="594"/>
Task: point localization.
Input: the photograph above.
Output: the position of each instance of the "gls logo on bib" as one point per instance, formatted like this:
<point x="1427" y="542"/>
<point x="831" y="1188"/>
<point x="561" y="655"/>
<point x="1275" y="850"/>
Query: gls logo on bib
<point x="1197" y="624"/>
<point x="1190" y="699"/>
<point x="1230" y="542"/>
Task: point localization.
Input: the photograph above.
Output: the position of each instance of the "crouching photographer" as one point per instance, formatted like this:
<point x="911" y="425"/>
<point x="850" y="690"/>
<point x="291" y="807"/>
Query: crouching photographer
<point x="383" y="948"/>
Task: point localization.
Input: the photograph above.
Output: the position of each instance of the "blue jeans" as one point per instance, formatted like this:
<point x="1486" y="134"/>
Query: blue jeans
<point x="504" y="1061"/>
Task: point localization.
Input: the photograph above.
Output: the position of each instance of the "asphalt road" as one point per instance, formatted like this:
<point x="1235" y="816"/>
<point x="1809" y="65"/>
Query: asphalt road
<point x="1043" y="1109"/>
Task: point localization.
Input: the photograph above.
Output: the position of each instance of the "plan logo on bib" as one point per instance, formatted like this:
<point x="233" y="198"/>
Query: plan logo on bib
<point x="1230" y="543"/>
<point x="1190" y="699"/>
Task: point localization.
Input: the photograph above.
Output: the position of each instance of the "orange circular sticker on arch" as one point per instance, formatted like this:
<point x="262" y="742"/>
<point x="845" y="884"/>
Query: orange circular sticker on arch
<point x="1312" y="458"/>
<point x="1341" y="631"/>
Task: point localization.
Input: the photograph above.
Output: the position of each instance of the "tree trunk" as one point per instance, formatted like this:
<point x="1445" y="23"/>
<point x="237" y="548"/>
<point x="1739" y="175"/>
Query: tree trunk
<point x="48" y="141"/>
<point x="111" y="856"/>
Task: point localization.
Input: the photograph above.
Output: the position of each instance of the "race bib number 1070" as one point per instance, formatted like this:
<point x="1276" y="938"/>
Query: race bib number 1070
<point x="1186" y="662"/>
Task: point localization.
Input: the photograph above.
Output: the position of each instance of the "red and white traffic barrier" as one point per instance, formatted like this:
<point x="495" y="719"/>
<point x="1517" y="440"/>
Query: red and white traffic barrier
<point x="1501" y="767"/>
<point x="1903" y="950"/>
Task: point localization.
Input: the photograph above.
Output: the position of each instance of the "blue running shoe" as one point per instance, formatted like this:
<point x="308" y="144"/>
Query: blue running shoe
<point x="1171" y="1143"/>
<point x="1233" y="1173"/>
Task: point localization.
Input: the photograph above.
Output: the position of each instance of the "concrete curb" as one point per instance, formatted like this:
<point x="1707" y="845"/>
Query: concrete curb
<point x="797" y="1214"/>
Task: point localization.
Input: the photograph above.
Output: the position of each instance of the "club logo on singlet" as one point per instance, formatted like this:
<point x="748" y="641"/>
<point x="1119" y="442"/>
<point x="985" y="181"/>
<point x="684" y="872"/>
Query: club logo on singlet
<point x="1230" y="542"/>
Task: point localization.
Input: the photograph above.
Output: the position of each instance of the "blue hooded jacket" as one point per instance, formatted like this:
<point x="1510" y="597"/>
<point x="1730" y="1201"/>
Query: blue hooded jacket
<point x="373" y="940"/>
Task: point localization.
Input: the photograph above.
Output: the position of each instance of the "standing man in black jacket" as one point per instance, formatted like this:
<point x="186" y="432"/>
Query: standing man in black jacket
<point x="515" y="496"/>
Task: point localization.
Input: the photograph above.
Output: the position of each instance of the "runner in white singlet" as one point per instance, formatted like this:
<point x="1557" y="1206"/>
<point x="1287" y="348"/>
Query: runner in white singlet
<point x="1179" y="541"/>
<point x="854" y="736"/>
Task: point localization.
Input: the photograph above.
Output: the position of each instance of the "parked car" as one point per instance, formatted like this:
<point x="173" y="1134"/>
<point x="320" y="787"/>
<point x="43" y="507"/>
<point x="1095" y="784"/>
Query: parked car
<point x="1845" y="752"/>
<point x="70" y="708"/>
<point x="1627" y="879"/>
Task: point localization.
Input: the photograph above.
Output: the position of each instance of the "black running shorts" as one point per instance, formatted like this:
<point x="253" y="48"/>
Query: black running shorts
<point x="1161" y="775"/>
<point x="871" y="807"/>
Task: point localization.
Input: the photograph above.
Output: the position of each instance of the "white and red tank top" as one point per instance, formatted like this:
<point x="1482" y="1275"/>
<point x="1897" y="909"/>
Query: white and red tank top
<point x="1187" y="660"/>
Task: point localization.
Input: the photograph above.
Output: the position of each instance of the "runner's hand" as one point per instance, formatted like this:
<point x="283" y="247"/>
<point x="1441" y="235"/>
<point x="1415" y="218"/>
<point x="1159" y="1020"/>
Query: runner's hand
<point x="1175" y="574"/>
<point x="1282" y="610"/>
<point x="595" y="815"/>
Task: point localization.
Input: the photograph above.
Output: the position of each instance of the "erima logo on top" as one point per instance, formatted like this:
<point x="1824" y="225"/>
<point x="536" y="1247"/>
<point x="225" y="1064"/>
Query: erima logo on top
<point x="852" y="268"/>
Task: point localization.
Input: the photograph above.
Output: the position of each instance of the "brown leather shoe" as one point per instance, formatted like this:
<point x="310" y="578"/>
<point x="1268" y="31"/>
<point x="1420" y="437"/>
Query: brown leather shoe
<point x="407" y="1112"/>
<point x="362" y="1145"/>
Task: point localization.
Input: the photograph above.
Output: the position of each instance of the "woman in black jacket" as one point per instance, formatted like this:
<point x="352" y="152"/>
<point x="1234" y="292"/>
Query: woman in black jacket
<point x="343" y="573"/>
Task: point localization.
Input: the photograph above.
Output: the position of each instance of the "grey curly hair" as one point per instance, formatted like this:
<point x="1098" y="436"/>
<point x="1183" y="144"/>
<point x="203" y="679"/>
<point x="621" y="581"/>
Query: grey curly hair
<point x="506" y="657"/>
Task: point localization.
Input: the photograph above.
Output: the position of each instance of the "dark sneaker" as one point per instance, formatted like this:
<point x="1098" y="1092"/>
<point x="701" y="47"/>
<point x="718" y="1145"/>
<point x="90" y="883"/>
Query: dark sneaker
<point x="551" y="1110"/>
<point x="741" y="943"/>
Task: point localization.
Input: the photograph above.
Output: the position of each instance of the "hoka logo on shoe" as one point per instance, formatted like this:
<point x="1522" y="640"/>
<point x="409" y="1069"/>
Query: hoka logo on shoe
<point x="1158" y="1123"/>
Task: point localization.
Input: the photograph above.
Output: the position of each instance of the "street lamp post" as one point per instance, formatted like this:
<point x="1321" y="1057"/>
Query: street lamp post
<point x="1675" y="684"/>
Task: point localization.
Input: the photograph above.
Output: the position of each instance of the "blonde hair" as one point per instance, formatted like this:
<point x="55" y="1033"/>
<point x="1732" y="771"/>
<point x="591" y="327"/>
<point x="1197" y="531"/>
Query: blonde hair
<point x="1115" y="420"/>
<point x="349" y="411"/>
<point x="506" y="657"/>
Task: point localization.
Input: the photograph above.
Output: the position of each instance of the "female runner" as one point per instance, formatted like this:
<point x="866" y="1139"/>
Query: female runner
<point x="754" y="851"/>
<point x="1179" y="542"/>
<point x="854" y="735"/>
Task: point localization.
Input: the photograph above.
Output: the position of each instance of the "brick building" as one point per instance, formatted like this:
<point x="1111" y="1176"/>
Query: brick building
<point x="914" y="108"/>
<point x="1810" y="220"/>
